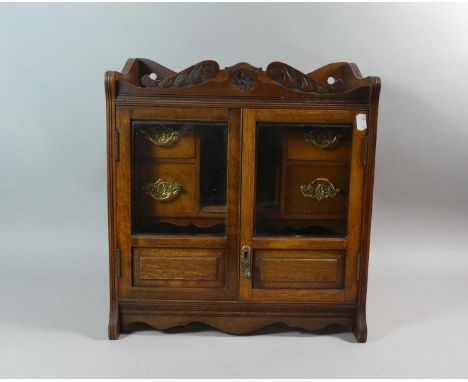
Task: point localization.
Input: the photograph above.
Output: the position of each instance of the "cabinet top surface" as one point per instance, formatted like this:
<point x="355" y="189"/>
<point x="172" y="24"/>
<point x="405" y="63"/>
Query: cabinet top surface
<point x="337" y="82"/>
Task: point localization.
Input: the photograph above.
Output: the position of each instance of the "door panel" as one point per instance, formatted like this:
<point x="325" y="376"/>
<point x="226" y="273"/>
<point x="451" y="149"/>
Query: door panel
<point x="178" y="203"/>
<point x="179" y="267"/>
<point x="297" y="269"/>
<point x="301" y="198"/>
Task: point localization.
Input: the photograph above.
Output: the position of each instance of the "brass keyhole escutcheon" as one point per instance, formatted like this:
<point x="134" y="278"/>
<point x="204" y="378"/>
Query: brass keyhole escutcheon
<point x="246" y="261"/>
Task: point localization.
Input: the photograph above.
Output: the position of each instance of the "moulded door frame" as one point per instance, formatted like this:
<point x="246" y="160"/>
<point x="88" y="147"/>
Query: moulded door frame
<point x="126" y="241"/>
<point x="351" y="244"/>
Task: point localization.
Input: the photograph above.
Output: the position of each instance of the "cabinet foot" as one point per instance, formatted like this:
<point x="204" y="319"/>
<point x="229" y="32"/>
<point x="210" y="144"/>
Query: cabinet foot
<point x="360" y="327"/>
<point x="113" y="328"/>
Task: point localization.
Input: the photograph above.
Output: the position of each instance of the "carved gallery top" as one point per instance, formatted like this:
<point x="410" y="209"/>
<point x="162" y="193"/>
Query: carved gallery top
<point x="338" y="82"/>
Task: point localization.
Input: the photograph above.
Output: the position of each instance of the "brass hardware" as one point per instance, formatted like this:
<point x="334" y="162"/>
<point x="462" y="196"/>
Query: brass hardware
<point x="358" y="270"/>
<point x="162" y="190"/>
<point x="320" y="188"/>
<point x="321" y="137"/>
<point x="160" y="135"/>
<point x="246" y="261"/>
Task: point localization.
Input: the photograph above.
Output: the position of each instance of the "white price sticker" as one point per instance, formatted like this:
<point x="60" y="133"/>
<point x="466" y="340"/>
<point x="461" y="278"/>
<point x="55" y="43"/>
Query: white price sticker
<point x="361" y="123"/>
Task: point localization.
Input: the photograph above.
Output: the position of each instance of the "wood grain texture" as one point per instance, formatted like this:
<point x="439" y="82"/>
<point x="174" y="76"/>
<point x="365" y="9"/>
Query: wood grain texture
<point x="297" y="203"/>
<point x="300" y="149"/>
<point x="305" y="282"/>
<point x="114" y="323"/>
<point x="360" y="325"/>
<point x="182" y="173"/>
<point x="183" y="148"/>
<point x="179" y="267"/>
<point x="298" y="269"/>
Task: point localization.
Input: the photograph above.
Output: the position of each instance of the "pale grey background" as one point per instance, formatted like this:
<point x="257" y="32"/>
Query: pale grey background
<point x="53" y="236"/>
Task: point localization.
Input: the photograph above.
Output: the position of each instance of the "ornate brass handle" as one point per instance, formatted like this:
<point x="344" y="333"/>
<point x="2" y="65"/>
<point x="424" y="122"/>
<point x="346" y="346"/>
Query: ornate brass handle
<point x="160" y="135"/>
<point x="322" y="137"/>
<point x="319" y="188"/>
<point x="162" y="190"/>
<point x="246" y="261"/>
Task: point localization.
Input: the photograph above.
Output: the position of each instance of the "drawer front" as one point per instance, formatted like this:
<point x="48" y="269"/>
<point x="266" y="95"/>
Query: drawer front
<point x="335" y="182"/>
<point x="178" y="267"/>
<point x="310" y="144"/>
<point x="165" y="189"/>
<point x="164" y="141"/>
<point x="298" y="269"/>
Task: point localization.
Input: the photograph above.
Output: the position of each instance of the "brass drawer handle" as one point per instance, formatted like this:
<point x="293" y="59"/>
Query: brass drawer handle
<point x="162" y="190"/>
<point x="246" y="261"/>
<point x="322" y="138"/>
<point x="319" y="188"/>
<point x="160" y="135"/>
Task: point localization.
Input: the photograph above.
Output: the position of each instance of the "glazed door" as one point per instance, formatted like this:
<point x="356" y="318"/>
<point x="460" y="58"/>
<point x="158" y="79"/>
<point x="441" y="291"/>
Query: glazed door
<point x="178" y="172"/>
<point x="302" y="185"/>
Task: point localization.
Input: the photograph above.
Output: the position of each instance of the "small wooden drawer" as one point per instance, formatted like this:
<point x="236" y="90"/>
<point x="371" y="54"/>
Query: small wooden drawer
<point x="161" y="141"/>
<point x="302" y="179"/>
<point x="178" y="267"/>
<point x="308" y="144"/>
<point x="165" y="189"/>
<point x="298" y="269"/>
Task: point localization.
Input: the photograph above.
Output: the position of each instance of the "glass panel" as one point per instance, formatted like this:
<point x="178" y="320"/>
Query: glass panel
<point x="302" y="179"/>
<point x="179" y="177"/>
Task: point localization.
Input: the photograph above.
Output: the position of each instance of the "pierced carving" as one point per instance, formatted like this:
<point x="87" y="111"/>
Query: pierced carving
<point x="319" y="189"/>
<point x="294" y="79"/>
<point x="277" y="81"/>
<point x="194" y="75"/>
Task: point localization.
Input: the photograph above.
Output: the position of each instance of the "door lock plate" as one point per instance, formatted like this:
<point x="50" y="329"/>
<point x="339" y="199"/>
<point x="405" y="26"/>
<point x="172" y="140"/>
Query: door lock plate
<point x="246" y="261"/>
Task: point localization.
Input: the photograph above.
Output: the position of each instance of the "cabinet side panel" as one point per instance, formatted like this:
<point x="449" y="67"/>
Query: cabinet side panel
<point x="114" y="324"/>
<point x="360" y="325"/>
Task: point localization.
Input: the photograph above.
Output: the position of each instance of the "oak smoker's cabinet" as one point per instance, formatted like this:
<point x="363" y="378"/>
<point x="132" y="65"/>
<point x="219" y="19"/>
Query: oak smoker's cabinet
<point x="240" y="197"/>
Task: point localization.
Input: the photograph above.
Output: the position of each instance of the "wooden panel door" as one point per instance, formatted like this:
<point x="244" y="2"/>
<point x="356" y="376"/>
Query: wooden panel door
<point x="302" y="185"/>
<point x="178" y="175"/>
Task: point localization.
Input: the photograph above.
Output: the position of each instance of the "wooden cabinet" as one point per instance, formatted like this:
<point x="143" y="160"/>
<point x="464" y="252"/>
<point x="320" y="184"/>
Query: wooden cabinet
<point x="239" y="197"/>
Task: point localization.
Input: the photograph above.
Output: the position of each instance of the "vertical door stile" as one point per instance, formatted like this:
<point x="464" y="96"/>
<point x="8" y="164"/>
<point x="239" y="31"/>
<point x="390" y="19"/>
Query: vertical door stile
<point x="355" y="212"/>
<point x="233" y="199"/>
<point x="247" y="195"/>
<point x="124" y="205"/>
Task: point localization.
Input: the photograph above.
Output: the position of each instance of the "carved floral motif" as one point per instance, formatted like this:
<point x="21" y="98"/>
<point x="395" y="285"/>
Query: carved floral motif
<point x="242" y="76"/>
<point x="244" y="81"/>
